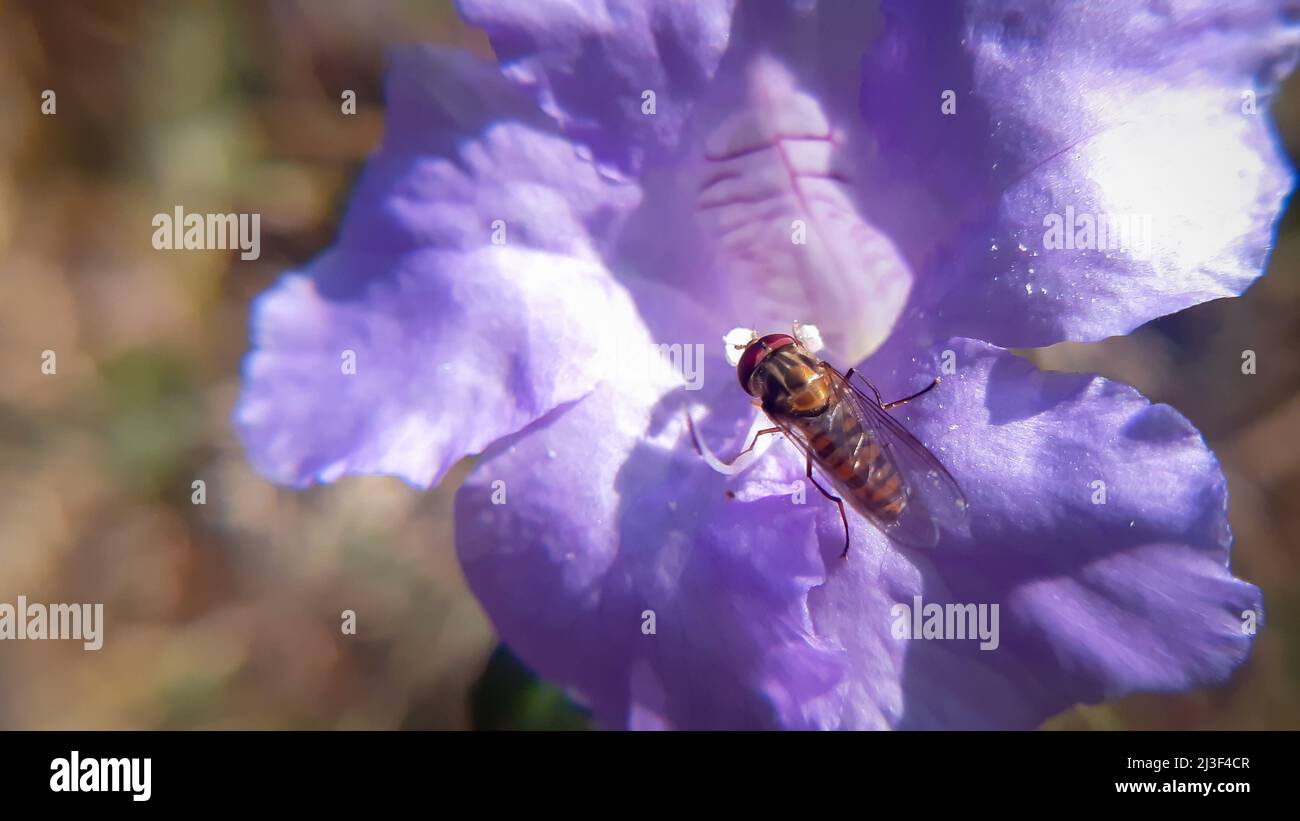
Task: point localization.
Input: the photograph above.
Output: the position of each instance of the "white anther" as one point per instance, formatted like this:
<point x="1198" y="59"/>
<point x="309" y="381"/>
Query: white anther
<point x="809" y="337"/>
<point x="736" y="340"/>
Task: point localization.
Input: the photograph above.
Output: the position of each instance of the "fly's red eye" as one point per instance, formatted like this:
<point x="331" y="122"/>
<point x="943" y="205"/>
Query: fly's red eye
<point x="756" y="353"/>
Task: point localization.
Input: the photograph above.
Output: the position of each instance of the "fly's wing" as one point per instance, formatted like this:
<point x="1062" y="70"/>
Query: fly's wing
<point x="934" y="500"/>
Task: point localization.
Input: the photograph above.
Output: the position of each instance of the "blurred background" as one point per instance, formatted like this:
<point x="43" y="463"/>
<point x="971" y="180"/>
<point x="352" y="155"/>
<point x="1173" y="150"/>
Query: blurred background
<point x="227" y="615"/>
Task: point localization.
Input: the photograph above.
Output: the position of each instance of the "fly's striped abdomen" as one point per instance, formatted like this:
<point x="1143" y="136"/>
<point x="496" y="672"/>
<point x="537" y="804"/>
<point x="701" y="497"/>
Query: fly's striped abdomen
<point x="853" y="459"/>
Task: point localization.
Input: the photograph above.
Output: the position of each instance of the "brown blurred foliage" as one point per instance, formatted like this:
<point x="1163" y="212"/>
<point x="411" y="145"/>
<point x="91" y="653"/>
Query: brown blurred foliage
<point x="226" y="614"/>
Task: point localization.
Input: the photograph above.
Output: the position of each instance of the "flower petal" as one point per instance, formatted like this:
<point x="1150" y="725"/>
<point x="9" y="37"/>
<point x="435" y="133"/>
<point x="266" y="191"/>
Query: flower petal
<point x="625" y="572"/>
<point x="1146" y="120"/>
<point x="468" y="163"/>
<point x="590" y="64"/>
<point x="779" y="233"/>
<point x="752" y="205"/>
<point x="405" y="364"/>
<point x="758" y="622"/>
<point x="431" y="329"/>
<point x="1098" y="526"/>
<point x="763" y="200"/>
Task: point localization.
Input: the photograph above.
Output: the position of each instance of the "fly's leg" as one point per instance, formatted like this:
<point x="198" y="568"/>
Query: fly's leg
<point x="690" y="425"/>
<point x="849" y="376"/>
<point x="750" y="447"/>
<point x="896" y="402"/>
<point x="837" y="500"/>
<point x="907" y="399"/>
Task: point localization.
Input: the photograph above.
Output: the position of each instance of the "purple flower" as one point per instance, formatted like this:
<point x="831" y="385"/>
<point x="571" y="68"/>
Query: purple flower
<point x="924" y="183"/>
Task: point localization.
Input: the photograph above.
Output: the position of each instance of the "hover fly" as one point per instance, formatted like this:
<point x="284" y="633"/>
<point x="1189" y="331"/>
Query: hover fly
<point x="882" y="470"/>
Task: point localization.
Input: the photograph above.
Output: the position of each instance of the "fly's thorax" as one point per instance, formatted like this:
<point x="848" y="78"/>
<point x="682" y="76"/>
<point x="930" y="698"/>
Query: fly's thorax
<point x="791" y="383"/>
